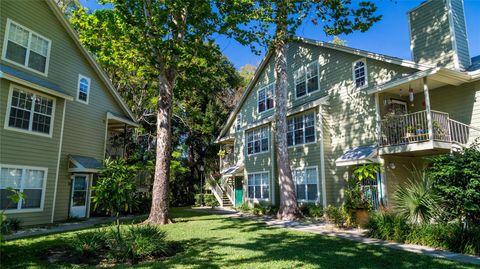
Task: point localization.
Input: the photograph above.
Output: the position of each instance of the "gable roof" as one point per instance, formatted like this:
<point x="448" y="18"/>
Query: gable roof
<point x="73" y="34"/>
<point x="350" y="50"/>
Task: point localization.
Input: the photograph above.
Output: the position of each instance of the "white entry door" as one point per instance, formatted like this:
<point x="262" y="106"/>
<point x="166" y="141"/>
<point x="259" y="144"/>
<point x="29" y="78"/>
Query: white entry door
<point x="79" y="201"/>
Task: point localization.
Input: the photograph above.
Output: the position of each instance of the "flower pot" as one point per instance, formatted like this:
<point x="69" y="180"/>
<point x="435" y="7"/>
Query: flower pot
<point x="361" y="216"/>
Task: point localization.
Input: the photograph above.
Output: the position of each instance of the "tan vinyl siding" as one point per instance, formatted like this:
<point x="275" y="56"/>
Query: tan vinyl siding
<point x="84" y="131"/>
<point x="431" y="37"/>
<point x="24" y="149"/>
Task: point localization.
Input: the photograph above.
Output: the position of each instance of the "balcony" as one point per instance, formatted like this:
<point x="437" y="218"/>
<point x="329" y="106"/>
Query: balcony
<point x="421" y="132"/>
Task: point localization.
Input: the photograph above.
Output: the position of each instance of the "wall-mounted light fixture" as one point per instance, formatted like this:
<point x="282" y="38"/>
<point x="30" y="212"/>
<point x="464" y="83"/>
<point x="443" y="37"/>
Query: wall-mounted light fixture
<point x="392" y="165"/>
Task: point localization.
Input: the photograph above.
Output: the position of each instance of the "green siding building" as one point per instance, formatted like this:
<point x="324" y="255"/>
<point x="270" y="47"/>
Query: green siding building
<point x="57" y="111"/>
<point x="347" y="107"/>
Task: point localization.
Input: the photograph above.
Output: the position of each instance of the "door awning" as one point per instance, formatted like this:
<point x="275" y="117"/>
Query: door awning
<point x="358" y="155"/>
<point x="232" y="170"/>
<point x="83" y="164"/>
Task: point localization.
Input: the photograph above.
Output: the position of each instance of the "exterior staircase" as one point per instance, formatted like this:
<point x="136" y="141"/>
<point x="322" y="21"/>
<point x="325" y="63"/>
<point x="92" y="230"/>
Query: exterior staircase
<point x="223" y="193"/>
<point x="226" y="201"/>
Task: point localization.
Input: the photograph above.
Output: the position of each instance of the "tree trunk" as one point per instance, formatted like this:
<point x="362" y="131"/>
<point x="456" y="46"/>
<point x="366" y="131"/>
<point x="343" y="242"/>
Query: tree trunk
<point x="288" y="201"/>
<point x="160" y="202"/>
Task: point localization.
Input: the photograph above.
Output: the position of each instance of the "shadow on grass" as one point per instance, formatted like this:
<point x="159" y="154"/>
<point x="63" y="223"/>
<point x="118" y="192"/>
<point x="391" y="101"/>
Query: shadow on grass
<point x="212" y="241"/>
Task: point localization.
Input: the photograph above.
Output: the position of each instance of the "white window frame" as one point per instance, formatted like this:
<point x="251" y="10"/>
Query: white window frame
<point x="247" y="132"/>
<point x="304" y="170"/>
<point x="266" y="88"/>
<point x="80" y="77"/>
<point x="29" y="131"/>
<point x="42" y="199"/>
<point x="304" y="68"/>
<point x="25" y="65"/>
<point x="254" y="199"/>
<point x="303" y="123"/>
<point x="364" y="60"/>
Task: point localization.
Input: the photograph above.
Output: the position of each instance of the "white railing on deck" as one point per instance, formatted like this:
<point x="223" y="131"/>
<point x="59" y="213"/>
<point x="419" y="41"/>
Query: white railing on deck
<point x="459" y="132"/>
<point x="413" y="128"/>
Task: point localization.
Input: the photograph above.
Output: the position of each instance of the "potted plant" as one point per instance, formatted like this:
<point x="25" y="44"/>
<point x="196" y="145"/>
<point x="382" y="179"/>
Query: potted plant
<point x="410" y="131"/>
<point x="356" y="203"/>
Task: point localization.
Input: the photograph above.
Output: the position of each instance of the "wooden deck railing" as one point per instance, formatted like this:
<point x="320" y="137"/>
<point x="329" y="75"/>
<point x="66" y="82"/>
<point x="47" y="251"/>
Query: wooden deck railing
<point x="414" y="127"/>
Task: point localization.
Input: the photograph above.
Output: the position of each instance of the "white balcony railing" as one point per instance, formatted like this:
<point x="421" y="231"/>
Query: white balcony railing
<point x="414" y="127"/>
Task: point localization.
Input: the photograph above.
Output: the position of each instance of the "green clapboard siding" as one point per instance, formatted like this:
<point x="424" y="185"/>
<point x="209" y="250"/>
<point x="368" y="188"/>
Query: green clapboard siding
<point x="431" y="37"/>
<point x="348" y="120"/>
<point x="84" y="132"/>
<point x="460" y="30"/>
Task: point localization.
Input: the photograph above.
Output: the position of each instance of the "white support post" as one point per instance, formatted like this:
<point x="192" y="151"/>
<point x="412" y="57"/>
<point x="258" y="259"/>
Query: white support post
<point x="378" y="118"/>
<point x="428" y="110"/>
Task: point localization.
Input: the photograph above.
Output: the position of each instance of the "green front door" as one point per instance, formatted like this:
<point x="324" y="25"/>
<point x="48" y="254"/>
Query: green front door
<point x="238" y="191"/>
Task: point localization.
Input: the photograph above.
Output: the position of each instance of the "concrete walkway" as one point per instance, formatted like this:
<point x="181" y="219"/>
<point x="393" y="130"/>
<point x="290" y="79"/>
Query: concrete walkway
<point x="358" y="235"/>
<point x="63" y="227"/>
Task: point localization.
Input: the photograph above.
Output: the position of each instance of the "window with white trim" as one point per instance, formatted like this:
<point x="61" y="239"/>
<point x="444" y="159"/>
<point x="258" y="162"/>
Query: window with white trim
<point x="307" y="79"/>
<point x="83" y="91"/>
<point x="26" y="48"/>
<point x="265" y="98"/>
<point x="360" y="73"/>
<point x="257" y="140"/>
<point x="30" y="181"/>
<point x="301" y="129"/>
<point x="238" y="122"/>
<point x="306" y="180"/>
<point x="30" y="111"/>
<point x="258" y="186"/>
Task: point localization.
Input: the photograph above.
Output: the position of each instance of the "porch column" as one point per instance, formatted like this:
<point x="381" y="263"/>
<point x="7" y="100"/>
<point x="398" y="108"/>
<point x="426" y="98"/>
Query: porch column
<point x="428" y="110"/>
<point x="378" y="117"/>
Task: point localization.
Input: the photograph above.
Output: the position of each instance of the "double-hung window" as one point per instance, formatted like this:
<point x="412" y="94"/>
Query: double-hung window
<point x="360" y="74"/>
<point x="307" y="79"/>
<point x="265" y="97"/>
<point x="301" y="129"/>
<point x="29" y="180"/>
<point x="258" y="186"/>
<point x="26" y="48"/>
<point x="29" y="111"/>
<point x="306" y="180"/>
<point x="83" y="91"/>
<point x="257" y="140"/>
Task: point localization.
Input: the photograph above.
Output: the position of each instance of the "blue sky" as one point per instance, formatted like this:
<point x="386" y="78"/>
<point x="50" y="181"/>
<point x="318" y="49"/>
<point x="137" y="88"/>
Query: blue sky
<point x="389" y="36"/>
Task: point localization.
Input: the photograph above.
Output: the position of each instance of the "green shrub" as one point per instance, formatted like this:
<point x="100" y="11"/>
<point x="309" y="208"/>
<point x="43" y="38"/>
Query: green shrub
<point x="211" y="200"/>
<point x="456" y="178"/>
<point x="388" y="226"/>
<point x="90" y="243"/>
<point x="450" y="236"/>
<point x="416" y="200"/>
<point x="259" y="209"/>
<point x="10" y="225"/>
<point x="244" y="207"/>
<point x="139" y="242"/>
<point x="133" y="244"/>
<point x="198" y="199"/>
<point x="337" y="215"/>
<point x="312" y="210"/>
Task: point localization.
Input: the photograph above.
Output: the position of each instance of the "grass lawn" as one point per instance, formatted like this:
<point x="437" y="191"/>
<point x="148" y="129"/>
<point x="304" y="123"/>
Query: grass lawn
<point x="214" y="241"/>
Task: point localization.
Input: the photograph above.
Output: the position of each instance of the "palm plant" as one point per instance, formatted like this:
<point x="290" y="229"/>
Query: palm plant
<point x="416" y="200"/>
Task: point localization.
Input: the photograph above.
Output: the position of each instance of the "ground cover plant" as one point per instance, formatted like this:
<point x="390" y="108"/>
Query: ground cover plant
<point x="217" y="241"/>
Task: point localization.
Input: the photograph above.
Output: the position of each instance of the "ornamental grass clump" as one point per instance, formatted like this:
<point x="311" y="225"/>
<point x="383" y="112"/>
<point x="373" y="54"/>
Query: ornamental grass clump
<point x="131" y="245"/>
